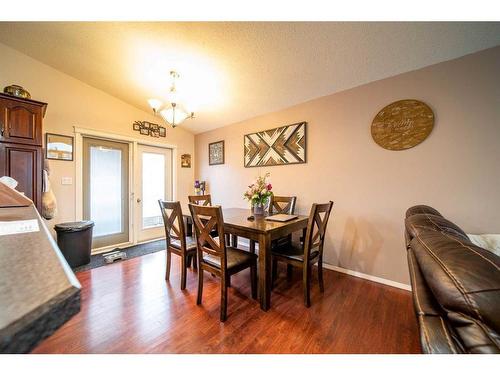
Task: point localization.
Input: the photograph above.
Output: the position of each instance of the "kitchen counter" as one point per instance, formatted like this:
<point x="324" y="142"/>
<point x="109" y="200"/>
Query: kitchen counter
<point x="38" y="290"/>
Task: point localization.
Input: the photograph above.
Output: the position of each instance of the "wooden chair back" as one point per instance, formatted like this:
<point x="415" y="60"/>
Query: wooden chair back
<point x="282" y="205"/>
<point x="200" y="200"/>
<point x="206" y="220"/>
<point x="173" y="221"/>
<point x="316" y="228"/>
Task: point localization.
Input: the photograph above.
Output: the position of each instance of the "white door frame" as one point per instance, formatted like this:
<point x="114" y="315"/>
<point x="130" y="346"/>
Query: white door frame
<point x="133" y="152"/>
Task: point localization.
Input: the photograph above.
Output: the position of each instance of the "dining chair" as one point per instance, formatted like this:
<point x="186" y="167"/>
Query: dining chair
<point x="176" y="239"/>
<point x="308" y="252"/>
<point x="217" y="258"/>
<point x="206" y="200"/>
<point x="202" y="200"/>
<point x="279" y="205"/>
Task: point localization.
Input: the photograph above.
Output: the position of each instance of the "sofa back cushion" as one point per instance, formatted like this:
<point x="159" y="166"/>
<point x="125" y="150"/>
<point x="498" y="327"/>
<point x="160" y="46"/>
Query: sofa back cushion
<point x="465" y="280"/>
<point x="422" y="209"/>
<point x="420" y="223"/>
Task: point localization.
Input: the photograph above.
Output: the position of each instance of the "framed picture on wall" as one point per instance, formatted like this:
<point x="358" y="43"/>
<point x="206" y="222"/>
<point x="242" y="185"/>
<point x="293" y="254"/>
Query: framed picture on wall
<point x="216" y="153"/>
<point x="186" y="161"/>
<point x="58" y="147"/>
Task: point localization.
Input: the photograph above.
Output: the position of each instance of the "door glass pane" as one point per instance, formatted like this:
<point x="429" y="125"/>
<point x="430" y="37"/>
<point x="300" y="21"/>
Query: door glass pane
<point x="153" y="188"/>
<point x="106" y="190"/>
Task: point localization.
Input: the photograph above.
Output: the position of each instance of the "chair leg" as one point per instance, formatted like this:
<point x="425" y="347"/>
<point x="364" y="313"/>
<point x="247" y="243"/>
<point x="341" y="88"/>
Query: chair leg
<point x="234" y="240"/>
<point x="228" y="239"/>
<point x="289" y="271"/>
<point x="195" y="261"/>
<point x="223" y="299"/>
<point x="200" y="286"/>
<point x="252" y="246"/>
<point x="274" y="271"/>
<point x="184" y="265"/>
<point x="188" y="261"/>
<point x="306" y="283"/>
<point x="169" y="260"/>
<point x="253" y="279"/>
<point x="320" y="275"/>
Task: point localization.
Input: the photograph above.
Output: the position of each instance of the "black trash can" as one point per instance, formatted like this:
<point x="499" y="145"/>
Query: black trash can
<point x="75" y="241"/>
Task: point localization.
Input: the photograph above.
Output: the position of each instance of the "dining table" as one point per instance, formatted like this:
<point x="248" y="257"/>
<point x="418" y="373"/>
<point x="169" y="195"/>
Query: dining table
<point x="238" y="222"/>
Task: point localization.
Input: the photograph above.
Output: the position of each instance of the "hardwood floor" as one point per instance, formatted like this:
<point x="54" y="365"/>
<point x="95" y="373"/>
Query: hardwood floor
<point x="128" y="307"/>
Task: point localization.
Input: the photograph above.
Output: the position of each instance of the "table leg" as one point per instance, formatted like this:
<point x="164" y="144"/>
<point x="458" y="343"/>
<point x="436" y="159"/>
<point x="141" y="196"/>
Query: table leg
<point x="265" y="271"/>
<point x="234" y="240"/>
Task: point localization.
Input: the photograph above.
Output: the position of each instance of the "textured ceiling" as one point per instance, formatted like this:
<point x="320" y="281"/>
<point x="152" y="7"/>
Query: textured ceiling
<point x="231" y="71"/>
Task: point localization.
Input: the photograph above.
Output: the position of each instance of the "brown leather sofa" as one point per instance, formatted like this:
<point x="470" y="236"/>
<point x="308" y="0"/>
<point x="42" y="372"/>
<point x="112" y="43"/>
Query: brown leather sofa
<point x="455" y="286"/>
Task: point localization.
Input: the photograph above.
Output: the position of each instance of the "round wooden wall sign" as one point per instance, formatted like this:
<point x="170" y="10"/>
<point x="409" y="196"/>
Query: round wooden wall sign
<point x="402" y="124"/>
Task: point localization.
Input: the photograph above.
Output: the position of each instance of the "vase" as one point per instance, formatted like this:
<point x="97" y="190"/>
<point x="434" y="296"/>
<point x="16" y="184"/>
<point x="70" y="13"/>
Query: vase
<point x="258" y="209"/>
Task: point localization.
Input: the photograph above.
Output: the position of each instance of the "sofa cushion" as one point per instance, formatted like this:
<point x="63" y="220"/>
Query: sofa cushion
<point x="436" y="337"/>
<point x="422" y="209"/>
<point x="419" y="223"/>
<point x="465" y="281"/>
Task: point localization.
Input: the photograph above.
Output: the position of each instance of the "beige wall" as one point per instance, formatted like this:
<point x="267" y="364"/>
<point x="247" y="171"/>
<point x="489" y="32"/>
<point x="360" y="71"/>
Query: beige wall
<point x="74" y="103"/>
<point x="455" y="170"/>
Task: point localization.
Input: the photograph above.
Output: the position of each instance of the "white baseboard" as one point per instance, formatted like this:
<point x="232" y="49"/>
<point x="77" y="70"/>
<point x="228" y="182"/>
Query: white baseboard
<point x="361" y="275"/>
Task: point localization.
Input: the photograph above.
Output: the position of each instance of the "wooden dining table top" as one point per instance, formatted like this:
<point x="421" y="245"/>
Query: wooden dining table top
<point x="239" y="217"/>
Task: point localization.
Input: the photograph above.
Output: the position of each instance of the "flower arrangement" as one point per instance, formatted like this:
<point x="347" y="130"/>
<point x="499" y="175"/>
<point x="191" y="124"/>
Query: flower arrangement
<point x="259" y="192"/>
<point x="199" y="187"/>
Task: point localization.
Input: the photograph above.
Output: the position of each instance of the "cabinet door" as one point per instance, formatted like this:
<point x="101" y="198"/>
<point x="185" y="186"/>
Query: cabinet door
<point x="20" y="122"/>
<point x="24" y="164"/>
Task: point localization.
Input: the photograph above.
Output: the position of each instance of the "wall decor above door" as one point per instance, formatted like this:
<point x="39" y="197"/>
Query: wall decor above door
<point x="279" y="146"/>
<point x="402" y="125"/>
<point x="149" y="128"/>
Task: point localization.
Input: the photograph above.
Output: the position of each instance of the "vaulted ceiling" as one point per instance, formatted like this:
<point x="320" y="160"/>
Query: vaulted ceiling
<point x="231" y="71"/>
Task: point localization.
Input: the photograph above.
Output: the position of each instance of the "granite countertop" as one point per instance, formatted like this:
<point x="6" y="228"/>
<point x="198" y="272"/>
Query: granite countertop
<point x="38" y="290"/>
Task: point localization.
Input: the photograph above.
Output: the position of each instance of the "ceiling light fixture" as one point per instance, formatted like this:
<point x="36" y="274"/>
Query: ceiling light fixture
<point x="172" y="113"/>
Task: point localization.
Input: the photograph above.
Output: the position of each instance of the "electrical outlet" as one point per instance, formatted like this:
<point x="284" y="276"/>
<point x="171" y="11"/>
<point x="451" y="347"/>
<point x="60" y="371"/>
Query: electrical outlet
<point x="66" y="181"/>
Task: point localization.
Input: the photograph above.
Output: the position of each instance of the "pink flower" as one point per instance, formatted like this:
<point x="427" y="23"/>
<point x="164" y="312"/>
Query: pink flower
<point x="269" y="186"/>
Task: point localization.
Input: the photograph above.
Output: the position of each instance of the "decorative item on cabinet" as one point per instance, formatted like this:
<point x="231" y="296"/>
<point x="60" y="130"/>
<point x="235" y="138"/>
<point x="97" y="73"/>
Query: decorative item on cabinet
<point x="16" y="90"/>
<point x="21" y="155"/>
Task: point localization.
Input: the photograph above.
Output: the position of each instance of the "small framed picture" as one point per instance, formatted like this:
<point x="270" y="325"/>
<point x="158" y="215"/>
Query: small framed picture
<point x="185" y="161"/>
<point x="163" y="131"/>
<point x="216" y="153"/>
<point x="144" y="131"/>
<point x="137" y="125"/>
<point x="58" y="147"/>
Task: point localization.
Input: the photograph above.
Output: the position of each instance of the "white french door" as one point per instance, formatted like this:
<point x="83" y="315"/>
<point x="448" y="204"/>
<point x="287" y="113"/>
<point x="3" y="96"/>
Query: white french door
<point x="105" y="190"/>
<point x="153" y="181"/>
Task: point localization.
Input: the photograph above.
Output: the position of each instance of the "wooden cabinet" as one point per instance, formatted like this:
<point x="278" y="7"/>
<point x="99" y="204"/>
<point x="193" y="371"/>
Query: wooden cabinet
<point x="21" y="155"/>
<point x="24" y="164"/>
